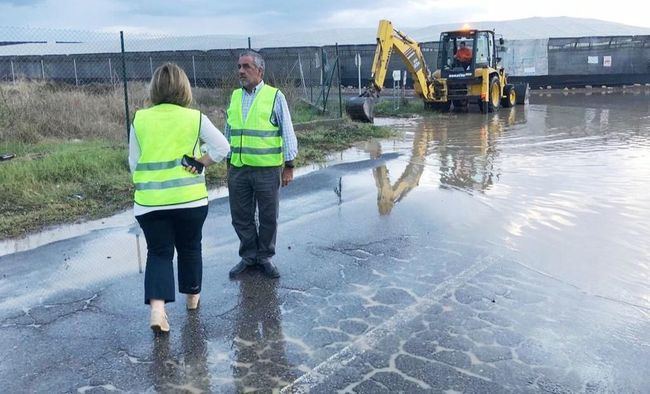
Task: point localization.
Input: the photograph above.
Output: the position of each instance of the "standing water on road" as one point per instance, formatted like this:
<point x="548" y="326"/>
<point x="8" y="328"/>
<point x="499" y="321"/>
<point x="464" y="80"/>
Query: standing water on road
<point x="505" y="252"/>
<point x="566" y="184"/>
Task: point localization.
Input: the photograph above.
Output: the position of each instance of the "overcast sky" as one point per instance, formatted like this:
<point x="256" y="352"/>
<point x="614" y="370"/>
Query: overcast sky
<point x="253" y="17"/>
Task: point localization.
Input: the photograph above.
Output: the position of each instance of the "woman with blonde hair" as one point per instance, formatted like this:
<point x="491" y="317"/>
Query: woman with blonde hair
<point x="171" y="199"/>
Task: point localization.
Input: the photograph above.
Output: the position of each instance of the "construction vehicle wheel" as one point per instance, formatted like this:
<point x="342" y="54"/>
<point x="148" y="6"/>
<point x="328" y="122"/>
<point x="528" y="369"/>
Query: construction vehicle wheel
<point x="460" y="105"/>
<point x="494" y="97"/>
<point x="439" y="107"/>
<point x="522" y="90"/>
<point x="510" y="96"/>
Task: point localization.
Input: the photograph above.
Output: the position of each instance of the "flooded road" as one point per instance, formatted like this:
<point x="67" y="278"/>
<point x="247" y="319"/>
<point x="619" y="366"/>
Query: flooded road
<point x="498" y="253"/>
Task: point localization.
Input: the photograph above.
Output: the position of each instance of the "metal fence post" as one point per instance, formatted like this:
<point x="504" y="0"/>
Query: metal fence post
<point x="194" y="70"/>
<point x="151" y="66"/>
<point x="110" y="70"/>
<point x="322" y="76"/>
<point x="42" y="69"/>
<point x="311" y="81"/>
<point x="13" y="75"/>
<point x="358" y="62"/>
<point x="302" y="76"/>
<point x="338" y="72"/>
<point x="249" y="43"/>
<point x="126" y="93"/>
<point x="76" y="79"/>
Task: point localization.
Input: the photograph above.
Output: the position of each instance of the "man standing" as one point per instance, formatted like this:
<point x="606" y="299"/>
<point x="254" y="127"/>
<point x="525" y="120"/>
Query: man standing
<point x="263" y="145"/>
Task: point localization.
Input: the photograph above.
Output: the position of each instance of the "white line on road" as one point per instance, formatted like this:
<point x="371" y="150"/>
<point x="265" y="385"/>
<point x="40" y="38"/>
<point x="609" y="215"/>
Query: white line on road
<point x="348" y="354"/>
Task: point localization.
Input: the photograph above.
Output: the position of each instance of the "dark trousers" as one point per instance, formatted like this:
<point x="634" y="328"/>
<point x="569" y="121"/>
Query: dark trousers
<point x="164" y="230"/>
<point x="250" y="188"/>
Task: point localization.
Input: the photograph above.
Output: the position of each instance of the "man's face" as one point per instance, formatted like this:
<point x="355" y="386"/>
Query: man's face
<point x="249" y="74"/>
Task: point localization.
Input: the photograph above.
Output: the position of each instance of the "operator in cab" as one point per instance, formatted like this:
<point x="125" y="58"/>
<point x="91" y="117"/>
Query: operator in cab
<point x="463" y="55"/>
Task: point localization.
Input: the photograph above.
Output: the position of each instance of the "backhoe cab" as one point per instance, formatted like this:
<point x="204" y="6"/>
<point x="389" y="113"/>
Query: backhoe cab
<point x="469" y="72"/>
<point x="469" y="65"/>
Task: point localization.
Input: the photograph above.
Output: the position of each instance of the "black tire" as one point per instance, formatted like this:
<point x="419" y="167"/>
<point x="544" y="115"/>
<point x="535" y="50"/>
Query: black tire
<point x="522" y="90"/>
<point x="510" y="96"/>
<point x="460" y="105"/>
<point x="494" y="97"/>
<point x="438" y="107"/>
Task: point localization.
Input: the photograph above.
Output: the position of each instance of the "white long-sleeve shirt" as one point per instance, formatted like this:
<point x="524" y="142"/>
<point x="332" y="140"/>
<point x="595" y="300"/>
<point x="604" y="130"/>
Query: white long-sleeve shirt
<point x="214" y="145"/>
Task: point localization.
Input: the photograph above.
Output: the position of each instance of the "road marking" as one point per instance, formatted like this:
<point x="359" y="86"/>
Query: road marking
<point x="348" y="354"/>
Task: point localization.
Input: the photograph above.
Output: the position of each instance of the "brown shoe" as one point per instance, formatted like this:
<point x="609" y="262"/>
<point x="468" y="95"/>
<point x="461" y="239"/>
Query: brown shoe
<point x="193" y="301"/>
<point x="158" y="321"/>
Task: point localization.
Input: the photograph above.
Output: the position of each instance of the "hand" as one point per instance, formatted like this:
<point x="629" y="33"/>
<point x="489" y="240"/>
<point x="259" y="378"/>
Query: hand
<point x="287" y="176"/>
<point x="196" y="165"/>
<point x="191" y="169"/>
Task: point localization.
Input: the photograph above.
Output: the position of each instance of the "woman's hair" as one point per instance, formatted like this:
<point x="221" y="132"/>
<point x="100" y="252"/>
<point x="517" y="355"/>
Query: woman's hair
<point x="170" y="85"/>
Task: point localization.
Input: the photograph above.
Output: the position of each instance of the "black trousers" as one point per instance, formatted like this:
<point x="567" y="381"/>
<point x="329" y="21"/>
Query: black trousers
<point x="252" y="188"/>
<point x="165" y="230"/>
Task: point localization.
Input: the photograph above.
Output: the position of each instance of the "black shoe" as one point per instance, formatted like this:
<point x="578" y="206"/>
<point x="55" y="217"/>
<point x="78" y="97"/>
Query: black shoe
<point x="239" y="268"/>
<point x="268" y="269"/>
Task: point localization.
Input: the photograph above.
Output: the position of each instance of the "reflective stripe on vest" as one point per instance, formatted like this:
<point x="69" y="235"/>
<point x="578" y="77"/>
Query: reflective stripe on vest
<point x="165" y="133"/>
<point x="255" y="141"/>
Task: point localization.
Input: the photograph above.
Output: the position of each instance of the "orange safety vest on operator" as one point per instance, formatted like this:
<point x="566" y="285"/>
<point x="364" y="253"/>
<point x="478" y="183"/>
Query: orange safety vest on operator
<point x="464" y="54"/>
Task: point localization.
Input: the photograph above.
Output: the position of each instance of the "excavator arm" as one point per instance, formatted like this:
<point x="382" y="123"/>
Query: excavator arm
<point x="390" y="39"/>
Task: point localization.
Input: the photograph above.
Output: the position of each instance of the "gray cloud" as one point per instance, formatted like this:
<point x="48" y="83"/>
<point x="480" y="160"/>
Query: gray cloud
<point x="255" y="16"/>
<point x="260" y="17"/>
<point x="294" y="8"/>
<point x="23" y="3"/>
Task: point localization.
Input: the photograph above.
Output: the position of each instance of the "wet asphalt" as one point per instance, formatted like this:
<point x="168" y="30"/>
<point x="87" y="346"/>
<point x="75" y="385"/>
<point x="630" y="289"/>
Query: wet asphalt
<point x="498" y="253"/>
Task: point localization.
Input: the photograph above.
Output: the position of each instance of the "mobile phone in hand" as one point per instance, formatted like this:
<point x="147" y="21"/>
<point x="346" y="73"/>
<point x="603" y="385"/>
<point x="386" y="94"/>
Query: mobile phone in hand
<point x="187" y="161"/>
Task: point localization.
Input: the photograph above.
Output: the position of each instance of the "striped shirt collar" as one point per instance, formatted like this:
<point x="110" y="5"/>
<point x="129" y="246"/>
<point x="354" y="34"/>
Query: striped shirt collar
<point x="255" y="89"/>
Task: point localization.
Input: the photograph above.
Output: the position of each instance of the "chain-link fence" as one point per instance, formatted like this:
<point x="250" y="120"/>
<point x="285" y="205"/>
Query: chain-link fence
<point x="97" y="66"/>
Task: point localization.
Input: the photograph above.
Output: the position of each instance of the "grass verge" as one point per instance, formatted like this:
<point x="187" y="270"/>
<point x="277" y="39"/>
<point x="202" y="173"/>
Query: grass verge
<point x="59" y="181"/>
<point x="408" y="108"/>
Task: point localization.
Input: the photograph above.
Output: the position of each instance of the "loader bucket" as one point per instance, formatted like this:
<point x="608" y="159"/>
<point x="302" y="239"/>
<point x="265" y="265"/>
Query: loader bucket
<point x="360" y="108"/>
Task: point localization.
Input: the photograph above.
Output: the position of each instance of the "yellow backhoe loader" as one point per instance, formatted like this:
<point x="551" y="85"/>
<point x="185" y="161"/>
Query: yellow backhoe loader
<point x="469" y="73"/>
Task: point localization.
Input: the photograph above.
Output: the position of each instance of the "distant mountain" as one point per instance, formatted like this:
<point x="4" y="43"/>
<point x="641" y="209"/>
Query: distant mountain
<point x="537" y="27"/>
<point x="517" y="29"/>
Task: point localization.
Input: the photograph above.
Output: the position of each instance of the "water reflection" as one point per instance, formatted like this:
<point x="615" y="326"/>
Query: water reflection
<point x="388" y="194"/>
<point x="195" y="350"/>
<point x="188" y="373"/>
<point x="162" y="366"/>
<point x="260" y="360"/>
<point x="466" y="155"/>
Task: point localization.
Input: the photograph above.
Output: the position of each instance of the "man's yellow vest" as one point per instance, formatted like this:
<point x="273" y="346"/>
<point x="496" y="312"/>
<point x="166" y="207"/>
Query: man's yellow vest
<point x="165" y="133"/>
<point x="254" y="141"/>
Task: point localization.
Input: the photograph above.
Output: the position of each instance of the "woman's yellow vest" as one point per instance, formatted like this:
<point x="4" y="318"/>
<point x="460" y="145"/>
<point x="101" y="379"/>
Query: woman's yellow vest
<point x="165" y="133"/>
<point x="254" y="141"/>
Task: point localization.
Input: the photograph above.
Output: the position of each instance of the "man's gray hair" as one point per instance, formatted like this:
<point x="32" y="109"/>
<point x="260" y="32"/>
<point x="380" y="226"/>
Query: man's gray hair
<point x="257" y="58"/>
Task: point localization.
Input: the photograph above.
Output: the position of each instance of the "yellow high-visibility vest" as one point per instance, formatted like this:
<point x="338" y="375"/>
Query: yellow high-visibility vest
<point x="254" y="141"/>
<point x="165" y="133"/>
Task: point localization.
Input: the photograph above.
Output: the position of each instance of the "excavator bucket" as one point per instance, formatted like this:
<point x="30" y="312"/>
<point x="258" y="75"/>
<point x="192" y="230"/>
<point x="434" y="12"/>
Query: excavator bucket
<point x="361" y="108"/>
